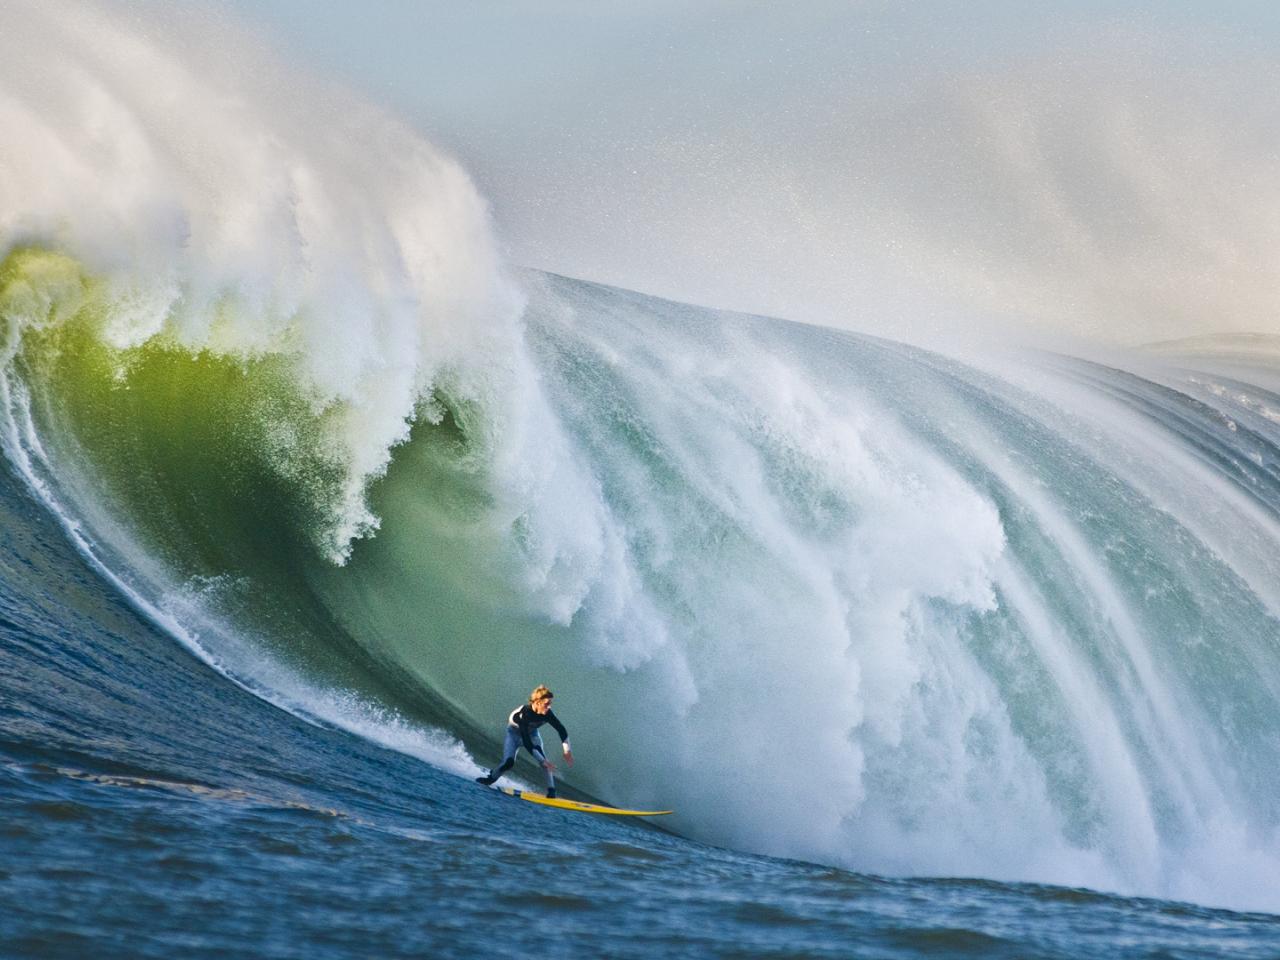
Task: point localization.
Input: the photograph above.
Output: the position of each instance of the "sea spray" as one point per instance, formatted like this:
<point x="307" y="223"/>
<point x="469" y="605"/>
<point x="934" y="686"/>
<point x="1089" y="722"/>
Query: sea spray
<point x="229" y="206"/>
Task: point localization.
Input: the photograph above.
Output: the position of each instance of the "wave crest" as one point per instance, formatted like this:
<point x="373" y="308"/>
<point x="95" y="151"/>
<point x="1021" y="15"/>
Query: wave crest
<point x="227" y="205"/>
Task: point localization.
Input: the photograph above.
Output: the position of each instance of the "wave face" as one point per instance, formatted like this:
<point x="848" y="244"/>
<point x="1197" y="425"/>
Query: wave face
<point x="925" y="619"/>
<point x="832" y="597"/>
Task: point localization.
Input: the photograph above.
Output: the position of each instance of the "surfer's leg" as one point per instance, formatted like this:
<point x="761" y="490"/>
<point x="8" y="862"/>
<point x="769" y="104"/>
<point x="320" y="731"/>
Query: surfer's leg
<point x="509" y="748"/>
<point x="551" y="777"/>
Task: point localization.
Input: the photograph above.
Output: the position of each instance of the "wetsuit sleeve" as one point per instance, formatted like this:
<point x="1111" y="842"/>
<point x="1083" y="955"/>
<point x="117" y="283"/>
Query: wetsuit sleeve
<point x="558" y="726"/>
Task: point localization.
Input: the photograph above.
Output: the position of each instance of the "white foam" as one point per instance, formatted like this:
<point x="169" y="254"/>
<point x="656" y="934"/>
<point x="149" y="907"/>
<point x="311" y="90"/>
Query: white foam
<point x="242" y="208"/>
<point x="237" y="207"/>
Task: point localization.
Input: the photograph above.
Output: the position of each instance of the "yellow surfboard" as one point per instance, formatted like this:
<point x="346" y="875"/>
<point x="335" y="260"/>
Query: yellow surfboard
<point x="583" y="807"/>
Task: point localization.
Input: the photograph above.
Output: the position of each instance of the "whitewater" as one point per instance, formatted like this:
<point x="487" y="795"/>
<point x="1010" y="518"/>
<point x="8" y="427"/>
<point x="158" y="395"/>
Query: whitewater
<point x="297" y="459"/>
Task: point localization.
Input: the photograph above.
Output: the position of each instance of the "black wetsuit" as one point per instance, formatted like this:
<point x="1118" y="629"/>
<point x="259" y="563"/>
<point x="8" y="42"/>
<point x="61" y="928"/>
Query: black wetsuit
<point x="522" y="731"/>
<point x="526" y="720"/>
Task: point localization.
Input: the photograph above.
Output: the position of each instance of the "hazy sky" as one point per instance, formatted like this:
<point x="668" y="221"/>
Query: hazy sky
<point x="1105" y="168"/>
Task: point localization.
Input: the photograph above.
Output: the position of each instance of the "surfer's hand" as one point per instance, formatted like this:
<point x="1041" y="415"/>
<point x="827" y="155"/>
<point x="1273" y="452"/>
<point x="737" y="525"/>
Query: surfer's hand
<point x="548" y="766"/>
<point x="568" y="757"/>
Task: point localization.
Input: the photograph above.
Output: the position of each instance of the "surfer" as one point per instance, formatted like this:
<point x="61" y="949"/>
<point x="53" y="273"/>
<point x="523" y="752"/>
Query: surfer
<point x="522" y="731"/>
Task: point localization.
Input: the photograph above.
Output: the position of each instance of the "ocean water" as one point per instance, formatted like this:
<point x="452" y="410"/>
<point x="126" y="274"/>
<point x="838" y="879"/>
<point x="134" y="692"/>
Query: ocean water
<point x="934" y="651"/>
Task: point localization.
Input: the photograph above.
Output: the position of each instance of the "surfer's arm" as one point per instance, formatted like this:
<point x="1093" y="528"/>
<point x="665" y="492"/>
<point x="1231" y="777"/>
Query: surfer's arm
<point x="564" y="736"/>
<point x="536" y="752"/>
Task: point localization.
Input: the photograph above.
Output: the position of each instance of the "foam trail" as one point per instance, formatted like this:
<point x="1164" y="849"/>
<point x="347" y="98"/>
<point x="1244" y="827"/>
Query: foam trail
<point x="180" y="612"/>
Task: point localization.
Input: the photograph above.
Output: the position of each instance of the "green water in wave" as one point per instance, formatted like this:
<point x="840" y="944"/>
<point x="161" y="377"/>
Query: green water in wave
<point x="222" y="472"/>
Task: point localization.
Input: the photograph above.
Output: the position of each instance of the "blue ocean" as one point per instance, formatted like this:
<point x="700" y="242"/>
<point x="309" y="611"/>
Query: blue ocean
<point x="962" y="649"/>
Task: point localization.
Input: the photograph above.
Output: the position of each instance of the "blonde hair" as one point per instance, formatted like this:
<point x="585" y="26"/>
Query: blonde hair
<point x="540" y="692"/>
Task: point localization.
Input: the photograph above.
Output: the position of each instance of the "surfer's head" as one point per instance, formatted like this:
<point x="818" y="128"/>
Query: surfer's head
<point x="540" y="699"/>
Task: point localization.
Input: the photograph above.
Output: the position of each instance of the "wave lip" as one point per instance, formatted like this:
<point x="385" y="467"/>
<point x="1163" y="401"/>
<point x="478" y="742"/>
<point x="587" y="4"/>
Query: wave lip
<point x="231" y="206"/>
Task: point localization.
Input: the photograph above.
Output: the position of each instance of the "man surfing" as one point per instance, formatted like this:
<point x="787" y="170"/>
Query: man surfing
<point x="522" y="731"/>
